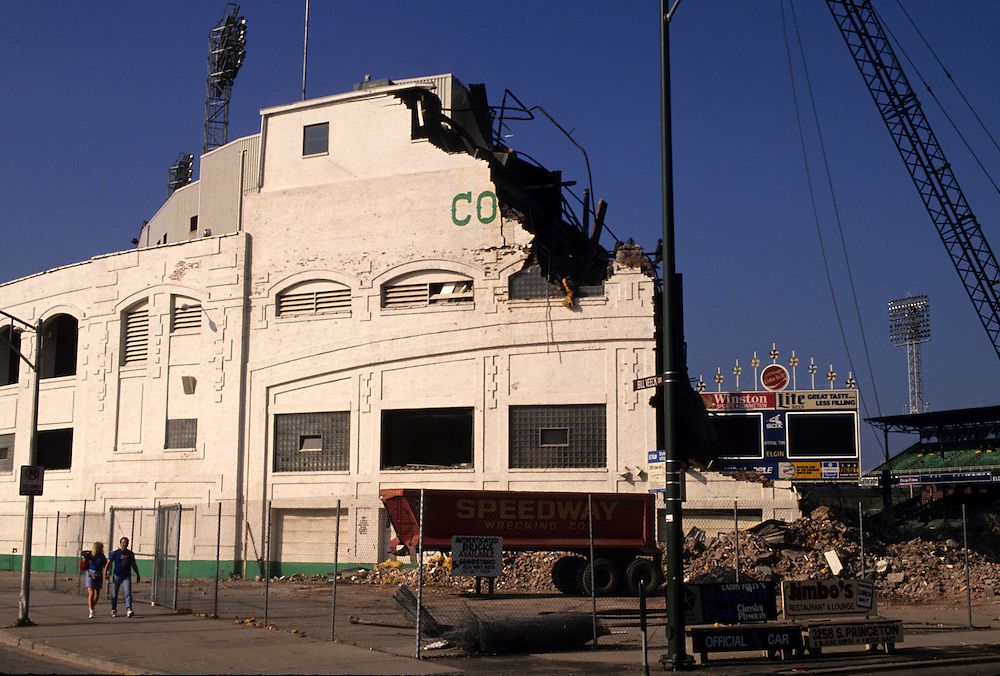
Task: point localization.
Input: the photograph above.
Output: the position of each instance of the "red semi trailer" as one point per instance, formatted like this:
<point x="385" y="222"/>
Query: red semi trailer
<point x="624" y="524"/>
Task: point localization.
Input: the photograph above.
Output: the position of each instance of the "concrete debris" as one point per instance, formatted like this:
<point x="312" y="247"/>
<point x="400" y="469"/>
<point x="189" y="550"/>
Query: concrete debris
<point x="905" y="567"/>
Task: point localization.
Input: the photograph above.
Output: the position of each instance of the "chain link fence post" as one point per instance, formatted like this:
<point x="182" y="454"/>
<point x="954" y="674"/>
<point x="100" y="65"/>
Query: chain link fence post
<point x="420" y="572"/>
<point x="266" y="550"/>
<point x="336" y="575"/>
<point x="218" y="556"/>
<point x="55" y="554"/>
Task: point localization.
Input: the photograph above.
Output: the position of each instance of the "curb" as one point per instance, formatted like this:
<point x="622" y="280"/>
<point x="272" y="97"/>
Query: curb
<point x="42" y="649"/>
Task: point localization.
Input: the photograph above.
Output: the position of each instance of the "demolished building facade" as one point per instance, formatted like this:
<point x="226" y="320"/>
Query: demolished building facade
<point x="369" y="293"/>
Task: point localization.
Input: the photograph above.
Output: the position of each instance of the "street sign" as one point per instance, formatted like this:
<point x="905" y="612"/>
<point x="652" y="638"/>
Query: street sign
<point x="651" y="381"/>
<point x="31" y="479"/>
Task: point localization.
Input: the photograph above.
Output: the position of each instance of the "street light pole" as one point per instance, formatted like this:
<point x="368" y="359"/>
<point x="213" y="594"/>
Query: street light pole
<point x="29" y="504"/>
<point x="676" y="657"/>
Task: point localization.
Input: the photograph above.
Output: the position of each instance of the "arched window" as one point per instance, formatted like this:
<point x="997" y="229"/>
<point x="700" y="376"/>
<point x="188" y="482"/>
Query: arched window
<point x="59" y="341"/>
<point x="10" y="362"/>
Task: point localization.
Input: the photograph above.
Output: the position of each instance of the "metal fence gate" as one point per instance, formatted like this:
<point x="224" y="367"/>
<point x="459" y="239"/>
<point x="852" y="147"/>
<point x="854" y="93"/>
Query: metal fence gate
<point x="166" y="555"/>
<point x="163" y="536"/>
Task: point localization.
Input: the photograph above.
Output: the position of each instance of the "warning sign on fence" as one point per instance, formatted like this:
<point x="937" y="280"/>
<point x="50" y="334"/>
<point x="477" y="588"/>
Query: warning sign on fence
<point x="476" y="556"/>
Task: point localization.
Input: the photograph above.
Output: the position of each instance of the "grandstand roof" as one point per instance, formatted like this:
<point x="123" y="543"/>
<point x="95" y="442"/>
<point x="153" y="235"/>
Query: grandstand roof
<point x="961" y="440"/>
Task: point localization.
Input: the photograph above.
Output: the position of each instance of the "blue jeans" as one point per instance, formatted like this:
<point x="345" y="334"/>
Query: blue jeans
<point x="121" y="582"/>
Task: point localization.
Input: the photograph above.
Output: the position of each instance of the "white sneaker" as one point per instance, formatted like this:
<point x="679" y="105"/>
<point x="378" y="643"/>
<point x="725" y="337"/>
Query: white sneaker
<point x="91" y="614"/>
<point x="129" y="613"/>
<point x="114" y="613"/>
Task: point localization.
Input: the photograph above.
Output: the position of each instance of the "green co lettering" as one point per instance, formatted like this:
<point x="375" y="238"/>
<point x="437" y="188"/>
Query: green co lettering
<point x="487" y="207"/>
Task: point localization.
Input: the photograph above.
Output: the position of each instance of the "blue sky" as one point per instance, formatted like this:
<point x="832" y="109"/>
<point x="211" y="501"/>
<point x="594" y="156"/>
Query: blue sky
<point x="100" y="98"/>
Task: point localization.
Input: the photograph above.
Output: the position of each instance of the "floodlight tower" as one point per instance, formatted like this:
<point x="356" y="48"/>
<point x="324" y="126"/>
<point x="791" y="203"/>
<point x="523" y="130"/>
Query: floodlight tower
<point x="909" y="325"/>
<point x="225" y="56"/>
<point x="180" y="173"/>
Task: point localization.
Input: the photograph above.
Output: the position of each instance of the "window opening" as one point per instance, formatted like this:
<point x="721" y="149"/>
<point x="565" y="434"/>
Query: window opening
<point x="59" y="343"/>
<point x="10" y="362"/>
<point x="194" y="224"/>
<point x="427" y="438"/>
<point x="311" y="442"/>
<point x="558" y="437"/>
<point x="6" y="452"/>
<point x="315" y="139"/>
<point x="553" y="436"/>
<point x="55" y="448"/>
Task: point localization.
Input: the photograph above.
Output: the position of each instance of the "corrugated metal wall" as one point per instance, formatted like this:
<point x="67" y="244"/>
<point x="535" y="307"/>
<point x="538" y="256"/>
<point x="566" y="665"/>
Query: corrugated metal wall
<point x="221" y="192"/>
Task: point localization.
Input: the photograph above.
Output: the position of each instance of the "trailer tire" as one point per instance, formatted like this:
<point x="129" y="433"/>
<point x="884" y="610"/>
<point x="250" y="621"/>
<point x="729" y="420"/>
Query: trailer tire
<point x="606" y="577"/>
<point x="567" y="575"/>
<point x="646" y="572"/>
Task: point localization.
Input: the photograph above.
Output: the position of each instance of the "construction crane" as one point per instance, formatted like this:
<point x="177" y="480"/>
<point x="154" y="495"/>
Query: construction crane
<point x="930" y="171"/>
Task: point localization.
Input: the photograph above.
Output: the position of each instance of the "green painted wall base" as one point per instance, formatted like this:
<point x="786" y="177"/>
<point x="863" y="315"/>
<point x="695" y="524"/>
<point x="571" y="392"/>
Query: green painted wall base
<point x="185" y="569"/>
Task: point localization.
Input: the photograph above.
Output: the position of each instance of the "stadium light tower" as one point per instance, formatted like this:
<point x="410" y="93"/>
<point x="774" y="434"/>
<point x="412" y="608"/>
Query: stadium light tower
<point x="225" y="56"/>
<point x="909" y="325"/>
<point x="180" y="173"/>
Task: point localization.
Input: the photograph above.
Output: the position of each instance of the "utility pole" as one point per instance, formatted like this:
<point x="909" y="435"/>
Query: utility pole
<point x="29" y="504"/>
<point x="676" y="657"/>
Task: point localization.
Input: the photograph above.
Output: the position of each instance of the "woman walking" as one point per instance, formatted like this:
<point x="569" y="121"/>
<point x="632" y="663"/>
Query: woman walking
<point x="95" y="575"/>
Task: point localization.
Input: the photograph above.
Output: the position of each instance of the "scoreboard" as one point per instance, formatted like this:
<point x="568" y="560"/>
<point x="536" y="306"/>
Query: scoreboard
<point x="804" y="435"/>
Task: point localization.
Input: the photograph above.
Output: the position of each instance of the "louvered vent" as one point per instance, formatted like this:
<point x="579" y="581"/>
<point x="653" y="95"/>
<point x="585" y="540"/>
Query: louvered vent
<point x="186" y="317"/>
<point x="136" y="336"/>
<point x="313" y="302"/>
<point x="410" y="295"/>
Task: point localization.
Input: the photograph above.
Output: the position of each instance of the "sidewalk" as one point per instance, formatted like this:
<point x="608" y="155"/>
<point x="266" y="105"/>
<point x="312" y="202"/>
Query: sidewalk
<point x="157" y="641"/>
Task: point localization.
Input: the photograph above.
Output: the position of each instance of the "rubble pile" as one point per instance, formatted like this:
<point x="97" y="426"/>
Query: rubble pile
<point x="522" y="571"/>
<point x="816" y="546"/>
<point x="914" y="569"/>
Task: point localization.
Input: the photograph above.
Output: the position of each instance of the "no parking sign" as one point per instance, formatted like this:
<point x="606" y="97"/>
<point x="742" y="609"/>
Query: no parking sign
<point x="31" y="479"/>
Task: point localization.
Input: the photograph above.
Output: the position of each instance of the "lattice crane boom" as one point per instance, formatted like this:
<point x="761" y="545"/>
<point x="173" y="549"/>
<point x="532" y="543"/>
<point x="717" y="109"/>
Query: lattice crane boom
<point x="931" y="173"/>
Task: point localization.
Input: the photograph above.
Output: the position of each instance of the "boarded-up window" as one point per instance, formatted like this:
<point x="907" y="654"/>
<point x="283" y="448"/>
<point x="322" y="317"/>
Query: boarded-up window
<point x="558" y="437"/>
<point x="312" y="442"/>
<point x="529" y="283"/>
<point x="181" y="433"/>
<point x="6" y="453"/>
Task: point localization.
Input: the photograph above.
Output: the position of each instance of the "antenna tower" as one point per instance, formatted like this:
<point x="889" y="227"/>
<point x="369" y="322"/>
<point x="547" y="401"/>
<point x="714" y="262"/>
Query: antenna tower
<point x="909" y="325"/>
<point x="225" y="56"/>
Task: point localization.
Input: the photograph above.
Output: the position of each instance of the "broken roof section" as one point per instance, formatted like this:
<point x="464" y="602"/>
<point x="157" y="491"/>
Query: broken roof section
<point x="460" y="119"/>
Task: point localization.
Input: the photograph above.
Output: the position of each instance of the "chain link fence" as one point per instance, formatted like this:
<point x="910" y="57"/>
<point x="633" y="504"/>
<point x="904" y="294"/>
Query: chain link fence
<point x="325" y="568"/>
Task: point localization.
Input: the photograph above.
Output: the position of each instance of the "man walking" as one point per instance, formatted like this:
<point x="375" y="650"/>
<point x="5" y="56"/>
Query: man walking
<point x="124" y="563"/>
